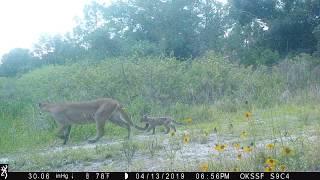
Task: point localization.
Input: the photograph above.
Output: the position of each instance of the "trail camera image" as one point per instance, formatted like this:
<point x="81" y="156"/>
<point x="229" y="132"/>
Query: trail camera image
<point x="159" y="86"/>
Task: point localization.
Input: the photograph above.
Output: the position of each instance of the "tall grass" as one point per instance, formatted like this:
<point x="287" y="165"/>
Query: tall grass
<point x="147" y="85"/>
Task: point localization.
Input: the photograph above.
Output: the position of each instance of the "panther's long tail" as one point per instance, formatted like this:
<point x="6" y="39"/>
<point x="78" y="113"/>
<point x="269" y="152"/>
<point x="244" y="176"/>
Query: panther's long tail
<point x="130" y="121"/>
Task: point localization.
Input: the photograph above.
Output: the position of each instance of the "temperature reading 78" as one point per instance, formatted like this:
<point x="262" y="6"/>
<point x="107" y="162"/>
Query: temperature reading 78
<point x="102" y="175"/>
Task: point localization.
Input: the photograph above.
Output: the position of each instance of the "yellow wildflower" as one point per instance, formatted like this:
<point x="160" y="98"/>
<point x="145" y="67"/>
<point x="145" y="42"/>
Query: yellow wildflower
<point x="248" y="114"/>
<point x="220" y="147"/>
<point x="247" y="149"/>
<point x="243" y="134"/>
<point x="204" y="167"/>
<point x="271" y="162"/>
<point x="236" y="146"/>
<point x="223" y="146"/>
<point x="282" y="168"/>
<point x="186" y="139"/>
<point x="270" y="146"/>
<point x="287" y="151"/>
<point x="268" y="168"/>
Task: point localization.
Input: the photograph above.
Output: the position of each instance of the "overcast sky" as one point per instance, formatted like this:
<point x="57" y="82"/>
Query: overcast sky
<point x="23" y="21"/>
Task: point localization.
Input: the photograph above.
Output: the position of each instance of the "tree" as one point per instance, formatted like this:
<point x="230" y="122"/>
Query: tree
<point x="177" y="27"/>
<point x="17" y="61"/>
<point x="213" y="24"/>
<point x="316" y="33"/>
<point x="287" y="24"/>
<point x="57" y="49"/>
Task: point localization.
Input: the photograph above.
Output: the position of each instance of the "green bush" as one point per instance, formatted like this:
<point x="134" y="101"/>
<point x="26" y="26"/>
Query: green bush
<point x="150" y="85"/>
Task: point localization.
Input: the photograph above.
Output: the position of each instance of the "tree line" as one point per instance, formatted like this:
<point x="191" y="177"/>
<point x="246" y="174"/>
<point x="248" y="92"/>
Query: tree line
<point x="250" y="32"/>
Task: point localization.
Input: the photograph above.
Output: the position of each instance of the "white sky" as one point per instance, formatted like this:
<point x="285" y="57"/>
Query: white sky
<point x="23" y="21"/>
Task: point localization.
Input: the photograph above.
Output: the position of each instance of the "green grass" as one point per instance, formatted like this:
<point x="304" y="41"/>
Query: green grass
<point x="289" y="125"/>
<point x="52" y="160"/>
<point x="287" y="117"/>
<point x="209" y="90"/>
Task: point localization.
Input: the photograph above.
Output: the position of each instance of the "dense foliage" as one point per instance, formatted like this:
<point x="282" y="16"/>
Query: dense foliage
<point x="250" y="32"/>
<point x="149" y="85"/>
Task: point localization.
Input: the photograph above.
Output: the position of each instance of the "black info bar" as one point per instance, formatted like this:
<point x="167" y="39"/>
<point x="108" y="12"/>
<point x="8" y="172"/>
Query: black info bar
<point x="159" y="175"/>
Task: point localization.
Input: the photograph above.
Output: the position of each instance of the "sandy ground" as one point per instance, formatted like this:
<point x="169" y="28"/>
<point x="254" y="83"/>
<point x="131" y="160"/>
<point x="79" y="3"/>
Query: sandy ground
<point x="186" y="158"/>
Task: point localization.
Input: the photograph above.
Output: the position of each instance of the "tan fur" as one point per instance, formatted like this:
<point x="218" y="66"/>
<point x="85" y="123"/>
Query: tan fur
<point x="95" y="111"/>
<point x="152" y="122"/>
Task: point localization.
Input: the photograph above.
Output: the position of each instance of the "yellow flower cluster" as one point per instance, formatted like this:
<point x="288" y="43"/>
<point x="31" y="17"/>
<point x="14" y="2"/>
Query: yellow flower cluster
<point x="270" y="146"/>
<point x="270" y="165"/>
<point x="220" y="147"/>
